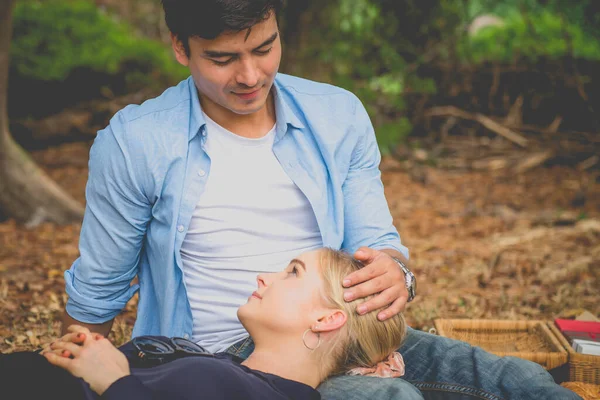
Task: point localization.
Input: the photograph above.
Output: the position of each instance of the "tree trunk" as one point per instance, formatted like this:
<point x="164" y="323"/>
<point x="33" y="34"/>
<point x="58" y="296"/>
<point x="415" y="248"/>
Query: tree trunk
<point x="26" y="192"/>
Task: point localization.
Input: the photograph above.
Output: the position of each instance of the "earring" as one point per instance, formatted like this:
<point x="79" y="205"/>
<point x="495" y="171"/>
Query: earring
<point x="304" y="340"/>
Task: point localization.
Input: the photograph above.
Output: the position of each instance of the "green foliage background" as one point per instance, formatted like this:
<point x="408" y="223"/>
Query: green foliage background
<point x="532" y="31"/>
<point x="392" y="53"/>
<point x="52" y="38"/>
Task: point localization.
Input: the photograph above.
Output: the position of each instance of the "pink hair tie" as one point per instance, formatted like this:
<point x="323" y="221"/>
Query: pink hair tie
<point x="393" y="367"/>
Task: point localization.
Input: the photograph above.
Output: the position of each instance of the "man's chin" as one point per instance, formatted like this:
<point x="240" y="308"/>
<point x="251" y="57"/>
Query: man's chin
<point x="247" y="108"/>
<point x="245" y="111"/>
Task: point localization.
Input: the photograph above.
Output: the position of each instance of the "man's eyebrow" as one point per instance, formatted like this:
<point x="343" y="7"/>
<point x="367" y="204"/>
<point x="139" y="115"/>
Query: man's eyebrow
<point x="296" y="261"/>
<point x="268" y="41"/>
<point x="220" y="54"/>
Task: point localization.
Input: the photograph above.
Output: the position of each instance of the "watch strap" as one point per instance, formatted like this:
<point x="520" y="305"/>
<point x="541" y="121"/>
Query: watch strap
<point x="410" y="279"/>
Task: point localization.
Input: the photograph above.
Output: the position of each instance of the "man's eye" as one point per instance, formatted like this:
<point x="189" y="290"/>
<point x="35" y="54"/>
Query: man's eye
<point x="222" y="63"/>
<point x="263" y="52"/>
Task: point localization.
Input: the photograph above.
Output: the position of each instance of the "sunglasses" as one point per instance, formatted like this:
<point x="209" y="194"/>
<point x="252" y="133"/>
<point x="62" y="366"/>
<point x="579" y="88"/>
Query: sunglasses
<point x="153" y="351"/>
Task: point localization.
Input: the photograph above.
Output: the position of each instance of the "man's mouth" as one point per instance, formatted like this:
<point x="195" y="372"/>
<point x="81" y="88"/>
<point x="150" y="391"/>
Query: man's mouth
<point x="254" y="91"/>
<point x="247" y="95"/>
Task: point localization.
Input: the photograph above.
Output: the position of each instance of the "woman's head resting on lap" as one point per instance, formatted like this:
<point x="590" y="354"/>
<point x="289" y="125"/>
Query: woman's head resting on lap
<point x="304" y="303"/>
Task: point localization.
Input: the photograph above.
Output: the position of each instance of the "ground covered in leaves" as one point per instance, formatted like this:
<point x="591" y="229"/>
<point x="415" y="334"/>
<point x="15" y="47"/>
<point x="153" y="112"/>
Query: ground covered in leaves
<point x="490" y="243"/>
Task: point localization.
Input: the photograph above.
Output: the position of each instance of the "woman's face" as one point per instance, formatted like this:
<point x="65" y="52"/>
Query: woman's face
<point x="287" y="302"/>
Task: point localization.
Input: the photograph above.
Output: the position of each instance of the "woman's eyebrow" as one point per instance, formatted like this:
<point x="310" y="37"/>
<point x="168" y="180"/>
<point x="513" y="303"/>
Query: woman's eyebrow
<point x="296" y="261"/>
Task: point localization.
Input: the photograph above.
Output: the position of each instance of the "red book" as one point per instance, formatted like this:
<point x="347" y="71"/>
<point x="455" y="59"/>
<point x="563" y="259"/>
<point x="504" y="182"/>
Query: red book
<point x="572" y="329"/>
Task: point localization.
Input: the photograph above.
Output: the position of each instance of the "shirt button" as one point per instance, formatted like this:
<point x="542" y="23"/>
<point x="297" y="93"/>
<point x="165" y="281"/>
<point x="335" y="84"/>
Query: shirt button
<point x="201" y="172"/>
<point x="180" y="228"/>
<point x="186" y="336"/>
<point x="203" y="133"/>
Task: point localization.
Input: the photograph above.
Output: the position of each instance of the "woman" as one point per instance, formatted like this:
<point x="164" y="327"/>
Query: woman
<point x="302" y="328"/>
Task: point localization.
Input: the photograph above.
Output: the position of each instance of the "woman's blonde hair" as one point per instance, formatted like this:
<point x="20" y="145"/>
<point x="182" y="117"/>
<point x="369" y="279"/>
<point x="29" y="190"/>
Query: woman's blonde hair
<point x="364" y="340"/>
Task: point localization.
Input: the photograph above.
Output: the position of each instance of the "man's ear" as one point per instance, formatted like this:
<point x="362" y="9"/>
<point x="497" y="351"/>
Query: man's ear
<point x="331" y="321"/>
<point x="179" y="50"/>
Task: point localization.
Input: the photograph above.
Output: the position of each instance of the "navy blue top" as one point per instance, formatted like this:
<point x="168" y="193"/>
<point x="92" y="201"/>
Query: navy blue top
<point x="212" y="378"/>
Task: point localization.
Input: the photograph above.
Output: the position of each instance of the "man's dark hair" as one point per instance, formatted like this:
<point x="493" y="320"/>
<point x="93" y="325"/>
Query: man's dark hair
<point x="207" y="19"/>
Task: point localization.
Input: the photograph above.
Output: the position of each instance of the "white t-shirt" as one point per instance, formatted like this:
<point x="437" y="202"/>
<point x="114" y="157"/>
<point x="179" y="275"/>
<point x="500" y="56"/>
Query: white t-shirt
<point x="251" y="218"/>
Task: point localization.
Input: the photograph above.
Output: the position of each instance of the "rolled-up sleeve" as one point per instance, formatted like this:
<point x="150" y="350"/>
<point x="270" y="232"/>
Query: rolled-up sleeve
<point x="367" y="218"/>
<point x="114" y="225"/>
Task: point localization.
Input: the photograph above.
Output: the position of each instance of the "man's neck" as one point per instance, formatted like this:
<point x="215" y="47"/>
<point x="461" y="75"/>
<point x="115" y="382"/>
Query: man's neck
<point x="296" y="364"/>
<point x="255" y="125"/>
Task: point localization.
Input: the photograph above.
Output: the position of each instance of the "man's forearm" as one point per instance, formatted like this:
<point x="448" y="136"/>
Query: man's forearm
<point x="103" y="329"/>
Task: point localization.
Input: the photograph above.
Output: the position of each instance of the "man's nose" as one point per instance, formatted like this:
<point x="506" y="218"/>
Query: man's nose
<point x="248" y="74"/>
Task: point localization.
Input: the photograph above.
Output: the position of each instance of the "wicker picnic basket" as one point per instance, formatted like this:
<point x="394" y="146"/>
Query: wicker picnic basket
<point x="586" y="391"/>
<point x="582" y="367"/>
<point x="531" y="340"/>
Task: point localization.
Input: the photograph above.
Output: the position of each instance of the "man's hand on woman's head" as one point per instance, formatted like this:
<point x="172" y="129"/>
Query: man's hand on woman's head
<point x="77" y="335"/>
<point x="96" y="361"/>
<point x="382" y="275"/>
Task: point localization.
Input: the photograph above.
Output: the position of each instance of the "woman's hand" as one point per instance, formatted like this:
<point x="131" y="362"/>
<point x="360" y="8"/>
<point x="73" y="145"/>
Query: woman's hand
<point x="77" y="335"/>
<point x="97" y="362"/>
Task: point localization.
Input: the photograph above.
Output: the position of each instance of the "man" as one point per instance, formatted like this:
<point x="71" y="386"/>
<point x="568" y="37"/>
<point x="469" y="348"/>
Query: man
<point x="232" y="173"/>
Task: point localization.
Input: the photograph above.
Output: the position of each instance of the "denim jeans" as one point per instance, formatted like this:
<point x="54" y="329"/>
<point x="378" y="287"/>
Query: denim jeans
<point x="440" y="368"/>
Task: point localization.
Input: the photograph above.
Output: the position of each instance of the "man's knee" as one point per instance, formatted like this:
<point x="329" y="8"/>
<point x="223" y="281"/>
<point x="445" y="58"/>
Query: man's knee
<point x="366" y="387"/>
<point x="523" y="379"/>
<point x="524" y="371"/>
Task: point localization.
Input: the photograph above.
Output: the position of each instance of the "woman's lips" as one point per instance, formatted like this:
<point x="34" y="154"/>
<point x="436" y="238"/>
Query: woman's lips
<point x="258" y="296"/>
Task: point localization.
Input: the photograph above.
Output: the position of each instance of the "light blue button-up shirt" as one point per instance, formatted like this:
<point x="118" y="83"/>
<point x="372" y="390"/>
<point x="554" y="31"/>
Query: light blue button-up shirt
<point x="148" y="169"/>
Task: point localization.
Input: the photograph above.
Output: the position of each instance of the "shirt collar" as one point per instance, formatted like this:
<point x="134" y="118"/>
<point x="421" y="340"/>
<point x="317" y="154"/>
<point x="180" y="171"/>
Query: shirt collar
<point x="197" y="120"/>
<point x="283" y="112"/>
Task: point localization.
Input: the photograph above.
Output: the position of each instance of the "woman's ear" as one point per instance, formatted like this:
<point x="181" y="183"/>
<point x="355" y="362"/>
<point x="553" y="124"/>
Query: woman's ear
<point x="332" y="321"/>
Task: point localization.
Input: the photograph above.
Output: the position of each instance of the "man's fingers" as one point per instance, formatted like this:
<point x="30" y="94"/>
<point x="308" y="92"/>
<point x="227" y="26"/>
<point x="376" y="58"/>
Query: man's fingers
<point x="366" y="254"/>
<point x="380" y="301"/>
<point x="370" y="271"/>
<point x="395" y="308"/>
<point x="369" y="286"/>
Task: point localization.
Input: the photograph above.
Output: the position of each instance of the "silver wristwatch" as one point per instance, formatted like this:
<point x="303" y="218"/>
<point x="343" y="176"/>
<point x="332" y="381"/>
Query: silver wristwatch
<point x="411" y="281"/>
